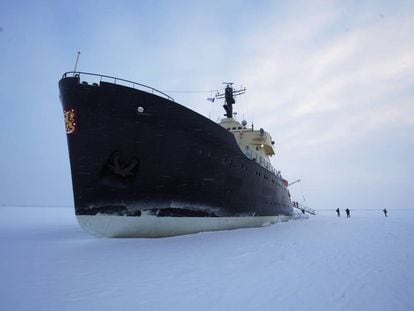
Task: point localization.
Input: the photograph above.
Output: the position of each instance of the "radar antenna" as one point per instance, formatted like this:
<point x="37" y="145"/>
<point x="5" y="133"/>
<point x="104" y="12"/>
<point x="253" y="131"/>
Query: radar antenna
<point x="228" y="95"/>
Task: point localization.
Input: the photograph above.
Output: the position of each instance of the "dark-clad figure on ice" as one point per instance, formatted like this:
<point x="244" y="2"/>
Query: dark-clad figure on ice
<point x="338" y="212"/>
<point x="385" y="212"/>
<point x="348" y="213"/>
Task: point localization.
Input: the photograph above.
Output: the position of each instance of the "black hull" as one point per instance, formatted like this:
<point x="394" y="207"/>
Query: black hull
<point x="165" y="160"/>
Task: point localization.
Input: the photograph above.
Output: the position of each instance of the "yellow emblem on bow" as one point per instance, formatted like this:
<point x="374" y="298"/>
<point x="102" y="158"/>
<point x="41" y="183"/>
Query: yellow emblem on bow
<point x="70" y="121"/>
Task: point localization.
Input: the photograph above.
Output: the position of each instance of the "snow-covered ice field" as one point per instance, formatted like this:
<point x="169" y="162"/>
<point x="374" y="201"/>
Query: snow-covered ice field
<point x="322" y="263"/>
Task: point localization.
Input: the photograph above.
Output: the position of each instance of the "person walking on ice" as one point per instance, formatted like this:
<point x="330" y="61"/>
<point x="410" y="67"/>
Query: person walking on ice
<point x="348" y="213"/>
<point x="338" y="212"/>
<point x="385" y="212"/>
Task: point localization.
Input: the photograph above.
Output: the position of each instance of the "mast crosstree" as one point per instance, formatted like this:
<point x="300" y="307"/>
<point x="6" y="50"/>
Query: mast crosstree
<point x="228" y="95"/>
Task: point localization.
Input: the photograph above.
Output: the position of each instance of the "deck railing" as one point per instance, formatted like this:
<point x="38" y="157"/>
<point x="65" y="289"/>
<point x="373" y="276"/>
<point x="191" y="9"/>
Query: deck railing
<point x="261" y="161"/>
<point x="119" y="81"/>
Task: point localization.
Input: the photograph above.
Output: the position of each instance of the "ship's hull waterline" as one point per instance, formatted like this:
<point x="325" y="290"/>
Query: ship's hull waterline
<point x="110" y="226"/>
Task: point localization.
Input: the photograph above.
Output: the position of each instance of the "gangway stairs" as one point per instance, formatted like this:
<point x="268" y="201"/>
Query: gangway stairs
<point x="304" y="208"/>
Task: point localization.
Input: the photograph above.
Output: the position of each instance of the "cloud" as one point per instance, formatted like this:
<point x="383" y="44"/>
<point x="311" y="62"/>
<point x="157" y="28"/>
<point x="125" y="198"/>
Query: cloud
<point x="323" y="88"/>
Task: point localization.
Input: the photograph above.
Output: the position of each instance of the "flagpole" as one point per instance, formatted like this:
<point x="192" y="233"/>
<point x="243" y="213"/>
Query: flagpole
<point x="76" y="63"/>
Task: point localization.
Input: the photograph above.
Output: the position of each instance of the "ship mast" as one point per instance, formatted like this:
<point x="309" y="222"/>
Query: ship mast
<point x="228" y="95"/>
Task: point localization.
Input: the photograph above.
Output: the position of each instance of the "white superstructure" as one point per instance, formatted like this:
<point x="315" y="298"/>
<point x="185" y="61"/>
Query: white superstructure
<point x="255" y="144"/>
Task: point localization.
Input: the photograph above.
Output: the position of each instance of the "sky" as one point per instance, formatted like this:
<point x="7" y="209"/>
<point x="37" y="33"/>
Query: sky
<point x="331" y="81"/>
